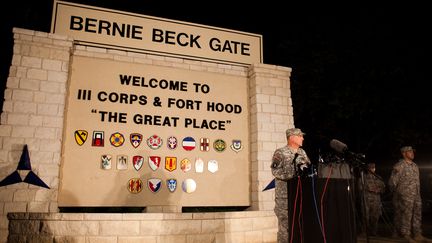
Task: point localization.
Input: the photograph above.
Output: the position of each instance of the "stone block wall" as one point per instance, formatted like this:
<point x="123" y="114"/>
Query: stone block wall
<point x="236" y="227"/>
<point x="33" y="114"/>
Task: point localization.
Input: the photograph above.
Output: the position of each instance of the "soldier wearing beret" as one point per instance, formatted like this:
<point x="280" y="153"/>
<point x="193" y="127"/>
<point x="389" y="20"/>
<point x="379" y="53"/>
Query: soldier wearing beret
<point x="404" y="183"/>
<point x="287" y="161"/>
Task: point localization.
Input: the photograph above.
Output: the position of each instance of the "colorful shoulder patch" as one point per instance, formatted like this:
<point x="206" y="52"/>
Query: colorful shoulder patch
<point x="117" y="139"/>
<point x="136" y="139"/>
<point x="80" y="136"/>
<point x="236" y="145"/>
<point x="154" y="184"/>
<point x="154" y="162"/>
<point x="137" y="162"/>
<point x="171" y="184"/>
<point x="204" y="144"/>
<point x="170" y="163"/>
<point x="98" y="139"/>
<point x="135" y="185"/>
<point x="154" y="142"/>
<point x="219" y="145"/>
<point x="172" y="142"/>
<point x="185" y="165"/>
<point x="188" y="143"/>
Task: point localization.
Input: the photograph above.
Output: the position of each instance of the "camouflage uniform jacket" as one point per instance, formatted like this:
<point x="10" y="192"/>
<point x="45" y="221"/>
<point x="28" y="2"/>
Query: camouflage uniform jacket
<point x="284" y="169"/>
<point x="374" y="184"/>
<point x="405" y="179"/>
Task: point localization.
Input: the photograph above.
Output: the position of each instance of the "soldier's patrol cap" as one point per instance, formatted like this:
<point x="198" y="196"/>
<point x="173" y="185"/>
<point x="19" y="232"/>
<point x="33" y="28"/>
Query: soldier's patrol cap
<point x="406" y="148"/>
<point x="294" y="131"/>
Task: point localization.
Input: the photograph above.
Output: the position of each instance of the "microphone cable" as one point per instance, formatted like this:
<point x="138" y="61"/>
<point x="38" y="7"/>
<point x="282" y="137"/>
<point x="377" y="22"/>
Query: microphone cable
<point x="294" y="210"/>
<point x="300" y="218"/>
<point x="316" y="206"/>
<point x="322" y="198"/>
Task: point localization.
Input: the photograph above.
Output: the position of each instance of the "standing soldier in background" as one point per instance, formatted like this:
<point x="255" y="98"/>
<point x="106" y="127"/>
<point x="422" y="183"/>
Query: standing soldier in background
<point x="404" y="183"/>
<point x="374" y="186"/>
<point x="287" y="162"/>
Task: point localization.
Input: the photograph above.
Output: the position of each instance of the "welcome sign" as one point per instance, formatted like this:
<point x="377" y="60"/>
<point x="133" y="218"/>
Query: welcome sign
<point x="139" y="135"/>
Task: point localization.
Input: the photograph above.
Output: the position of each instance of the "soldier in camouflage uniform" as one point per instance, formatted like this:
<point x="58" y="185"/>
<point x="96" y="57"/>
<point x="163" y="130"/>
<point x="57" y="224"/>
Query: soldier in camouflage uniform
<point x="404" y="183"/>
<point x="286" y="162"/>
<point x="374" y="186"/>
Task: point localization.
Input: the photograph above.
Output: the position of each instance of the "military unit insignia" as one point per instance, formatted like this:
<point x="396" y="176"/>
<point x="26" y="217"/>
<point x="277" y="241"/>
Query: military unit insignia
<point x="170" y="163"/>
<point x="137" y="162"/>
<point x="188" y="143"/>
<point x="213" y="166"/>
<point x="98" y="139"/>
<point x="154" y="162"/>
<point x="219" y="145"/>
<point x="171" y="184"/>
<point x="117" y="139"/>
<point x="135" y="185"/>
<point x="106" y="161"/>
<point x="122" y="162"/>
<point x="154" y="184"/>
<point x="236" y="145"/>
<point x="185" y="165"/>
<point x="204" y="144"/>
<point x="199" y="165"/>
<point x="136" y="139"/>
<point x="80" y="136"/>
<point x="172" y="142"/>
<point x="154" y="142"/>
<point x="189" y="185"/>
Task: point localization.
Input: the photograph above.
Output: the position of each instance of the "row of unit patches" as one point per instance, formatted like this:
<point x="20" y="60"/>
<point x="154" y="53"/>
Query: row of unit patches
<point x="154" y="163"/>
<point x="154" y="142"/>
<point x="135" y="185"/>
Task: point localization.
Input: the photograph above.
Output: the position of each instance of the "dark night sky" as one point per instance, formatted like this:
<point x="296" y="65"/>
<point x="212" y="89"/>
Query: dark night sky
<point x="360" y="72"/>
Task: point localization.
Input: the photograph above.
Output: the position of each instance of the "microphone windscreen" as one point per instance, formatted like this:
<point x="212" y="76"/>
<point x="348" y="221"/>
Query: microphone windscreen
<point x="338" y="146"/>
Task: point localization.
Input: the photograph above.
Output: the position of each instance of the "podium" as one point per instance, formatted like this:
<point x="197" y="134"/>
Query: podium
<point x="321" y="207"/>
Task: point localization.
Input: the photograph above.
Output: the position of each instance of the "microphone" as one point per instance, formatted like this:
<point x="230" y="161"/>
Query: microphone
<point x="338" y="146"/>
<point x="342" y="148"/>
